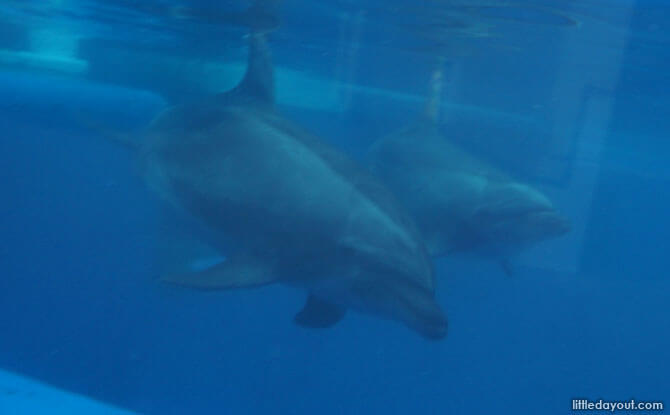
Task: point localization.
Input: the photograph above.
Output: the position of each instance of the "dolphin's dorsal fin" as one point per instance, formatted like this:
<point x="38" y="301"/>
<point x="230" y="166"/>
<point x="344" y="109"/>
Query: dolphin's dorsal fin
<point x="258" y="82"/>
<point x="431" y="111"/>
<point x="257" y="85"/>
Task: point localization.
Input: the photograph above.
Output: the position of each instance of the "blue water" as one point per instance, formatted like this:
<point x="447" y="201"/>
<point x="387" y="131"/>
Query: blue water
<point x="570" y="96"/>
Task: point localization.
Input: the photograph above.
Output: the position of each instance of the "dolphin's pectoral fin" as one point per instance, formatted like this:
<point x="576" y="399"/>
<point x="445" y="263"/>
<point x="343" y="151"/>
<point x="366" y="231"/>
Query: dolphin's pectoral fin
<point x="507" y="267"/>
<point x="234" y="272"/>
<point x="319" y="314"/>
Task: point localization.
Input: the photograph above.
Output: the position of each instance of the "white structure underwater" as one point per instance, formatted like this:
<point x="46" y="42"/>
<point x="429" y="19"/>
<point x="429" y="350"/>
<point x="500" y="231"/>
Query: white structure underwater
<point x="23" y="396"/>
<point x="53" y="45"/>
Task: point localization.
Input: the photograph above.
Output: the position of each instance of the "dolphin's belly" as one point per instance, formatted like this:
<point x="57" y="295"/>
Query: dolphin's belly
<point x="257" y="182"/>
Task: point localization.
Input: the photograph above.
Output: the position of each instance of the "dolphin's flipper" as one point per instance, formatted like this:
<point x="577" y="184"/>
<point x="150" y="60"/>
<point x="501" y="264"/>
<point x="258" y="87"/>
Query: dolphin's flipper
<point x="319" y="314"/>
<point x="235" y="272"/>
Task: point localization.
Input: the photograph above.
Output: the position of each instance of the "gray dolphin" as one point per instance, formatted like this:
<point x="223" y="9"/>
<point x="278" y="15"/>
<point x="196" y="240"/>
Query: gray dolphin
<point x="299" y="212"/>
<point x="459" y="202"/>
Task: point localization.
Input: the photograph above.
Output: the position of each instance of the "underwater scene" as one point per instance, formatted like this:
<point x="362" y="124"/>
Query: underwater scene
<point x="334" y="207"/>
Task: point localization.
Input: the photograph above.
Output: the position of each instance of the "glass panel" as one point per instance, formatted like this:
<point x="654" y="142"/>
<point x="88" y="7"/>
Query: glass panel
<point x="370" y="168"/>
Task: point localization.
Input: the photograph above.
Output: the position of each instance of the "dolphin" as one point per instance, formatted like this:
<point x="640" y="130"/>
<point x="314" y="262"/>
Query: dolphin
<point x="298" y="211"/>
<point x="459" y="202"/>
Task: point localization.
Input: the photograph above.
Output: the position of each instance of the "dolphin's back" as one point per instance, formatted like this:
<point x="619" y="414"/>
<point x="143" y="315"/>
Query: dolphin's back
<point x="421" y="146"/>
<point x="366" y="183"/>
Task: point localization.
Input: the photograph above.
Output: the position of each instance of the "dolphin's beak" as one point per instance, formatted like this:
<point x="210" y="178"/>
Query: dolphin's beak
<point x="518" y="206"/>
